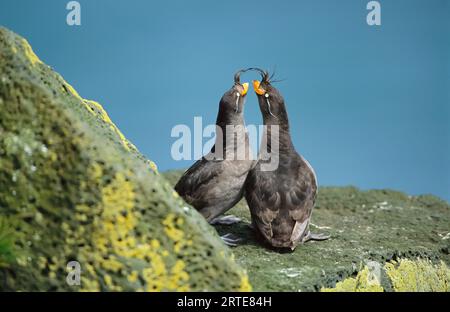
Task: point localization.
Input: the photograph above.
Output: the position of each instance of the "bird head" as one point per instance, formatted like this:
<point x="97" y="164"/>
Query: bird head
<point x="271" y="102"/>
<point x="233" y="100"/>
<point x="241" y="88"/>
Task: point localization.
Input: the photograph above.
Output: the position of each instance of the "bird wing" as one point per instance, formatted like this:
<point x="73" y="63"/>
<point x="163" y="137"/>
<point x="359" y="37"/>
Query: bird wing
<point x="282" y="207"/>
<point x="264" y="201"/>
<point x="300" y="201"/>
<point x="196" y="177"/>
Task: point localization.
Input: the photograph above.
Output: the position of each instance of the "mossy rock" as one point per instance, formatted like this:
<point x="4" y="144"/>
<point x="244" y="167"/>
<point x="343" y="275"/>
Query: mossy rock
<point x="403" y="275"/>
<point x="72" y="187"/>
<point x="366" y="227"/>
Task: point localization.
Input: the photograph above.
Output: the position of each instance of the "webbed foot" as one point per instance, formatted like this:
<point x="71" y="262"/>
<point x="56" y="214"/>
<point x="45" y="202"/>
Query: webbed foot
<point x="231" y="240"/>
<point x="316" y="237"/>
<point x="225" y="220"/>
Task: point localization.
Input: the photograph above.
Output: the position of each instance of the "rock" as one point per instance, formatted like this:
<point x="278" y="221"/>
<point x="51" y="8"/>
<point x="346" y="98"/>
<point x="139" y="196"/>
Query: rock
<point x="369" y="229"/>
<point x="403" y="275"/>
<point x="73" y="188"/>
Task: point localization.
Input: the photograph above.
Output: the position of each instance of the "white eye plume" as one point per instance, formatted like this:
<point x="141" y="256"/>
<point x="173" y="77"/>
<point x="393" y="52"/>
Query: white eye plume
<point x="268" y="104"/>
<point x="237" y="102"/>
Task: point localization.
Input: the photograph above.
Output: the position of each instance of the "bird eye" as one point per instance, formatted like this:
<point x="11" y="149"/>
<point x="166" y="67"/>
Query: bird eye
<point x="266" y="95"/>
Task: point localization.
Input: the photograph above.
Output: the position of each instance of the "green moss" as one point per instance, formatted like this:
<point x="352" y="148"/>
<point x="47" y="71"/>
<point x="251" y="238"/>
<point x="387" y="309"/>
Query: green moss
<point x="365" y="226"/>
<point x="7" y="239"/>
<point x="79" y="190"/>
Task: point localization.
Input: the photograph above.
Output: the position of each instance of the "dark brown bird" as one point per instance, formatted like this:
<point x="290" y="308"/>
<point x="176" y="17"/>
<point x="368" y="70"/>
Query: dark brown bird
<point x="215" y="183"/>
<point x="281" y="189"/>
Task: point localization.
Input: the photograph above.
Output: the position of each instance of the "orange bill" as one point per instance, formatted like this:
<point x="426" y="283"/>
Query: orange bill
<point x="257" y="87"/>
<point x="245" y="85"/>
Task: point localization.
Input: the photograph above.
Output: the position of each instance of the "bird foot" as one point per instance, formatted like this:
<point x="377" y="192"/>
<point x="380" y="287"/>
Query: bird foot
<point x="231" y="240"/>
<point x="316" y="237"/>
<point x="225" y="220"/>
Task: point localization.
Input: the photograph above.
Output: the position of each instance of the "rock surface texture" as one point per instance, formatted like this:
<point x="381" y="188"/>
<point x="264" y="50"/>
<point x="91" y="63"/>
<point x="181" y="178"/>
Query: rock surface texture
<point x="73" y="188"/>
<point x="377" y="239"/>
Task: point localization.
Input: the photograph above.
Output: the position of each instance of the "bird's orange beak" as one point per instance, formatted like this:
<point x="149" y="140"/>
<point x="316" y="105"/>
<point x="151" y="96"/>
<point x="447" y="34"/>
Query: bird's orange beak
<point x="257" y="87"/>
<point x="245" y="85"/>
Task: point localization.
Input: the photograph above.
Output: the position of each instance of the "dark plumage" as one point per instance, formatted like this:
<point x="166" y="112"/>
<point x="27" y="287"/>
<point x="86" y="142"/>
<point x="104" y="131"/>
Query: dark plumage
<point x="280" y="200"/>
<point x="215" y="184"/>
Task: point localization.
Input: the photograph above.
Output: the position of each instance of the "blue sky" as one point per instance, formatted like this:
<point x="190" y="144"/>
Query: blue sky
<point x="368" y="106"/>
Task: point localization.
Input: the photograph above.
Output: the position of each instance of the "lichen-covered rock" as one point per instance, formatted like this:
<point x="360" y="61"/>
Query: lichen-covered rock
<point x="369" y="229"/>
<point x="364" y="281"/>
<point x="73" y="188"/>
<point x="403" y="275"/>
<point x="418" y="275"/>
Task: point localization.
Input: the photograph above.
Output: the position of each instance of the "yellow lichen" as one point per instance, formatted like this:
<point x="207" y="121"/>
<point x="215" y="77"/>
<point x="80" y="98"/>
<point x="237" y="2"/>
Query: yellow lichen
<point x="159" y="278"/>
<point x="116" y="245"/>
<point x="133" y="276"/>
<point x="112" y="229"/>
<point x="245" y="284"/>
<point x="153" y="166"/>
<point x="363" y="282"/>
<point x="89" y="284"/>
<point x="404" y="275"/>
<point x="179" y="278"/>
<point x="96" y="108"/>
<point x="101" y="229"/>
<point x="96" y="172"/>
<point x="171" y="224"/>
<point x="419" y="275"/>
<point x="108" y="280"/>
<point x="73" y="91"/>
<point x="30" y="54"/>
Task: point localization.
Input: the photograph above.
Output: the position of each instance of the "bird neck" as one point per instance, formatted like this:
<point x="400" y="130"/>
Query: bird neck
<point x="230" y="131"/>
<point x="276" y="136"/>
<point x="277" y="129"/>
<point x="226" y="119"/>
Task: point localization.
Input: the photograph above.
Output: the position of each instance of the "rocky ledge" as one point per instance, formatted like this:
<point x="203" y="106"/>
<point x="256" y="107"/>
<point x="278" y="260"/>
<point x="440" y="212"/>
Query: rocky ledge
<point x="381" y="240"/>
<point x="73" y="188"/>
